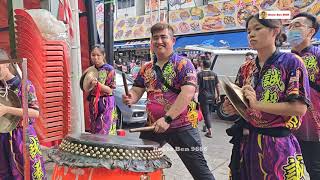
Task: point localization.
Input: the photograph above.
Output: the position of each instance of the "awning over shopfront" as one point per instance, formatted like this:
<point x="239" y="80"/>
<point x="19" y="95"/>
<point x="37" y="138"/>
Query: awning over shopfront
<point x="132" y="45"/>
<point x="226" y="40"/>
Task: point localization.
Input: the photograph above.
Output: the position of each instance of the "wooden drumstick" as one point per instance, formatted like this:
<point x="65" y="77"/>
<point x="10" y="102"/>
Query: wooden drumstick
<point x="149" y="128"/>
<point x="125" y="84"/>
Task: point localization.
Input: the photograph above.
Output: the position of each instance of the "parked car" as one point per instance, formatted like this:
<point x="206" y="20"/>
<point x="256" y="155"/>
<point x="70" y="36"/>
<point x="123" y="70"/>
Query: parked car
<point x="137" y="112"/>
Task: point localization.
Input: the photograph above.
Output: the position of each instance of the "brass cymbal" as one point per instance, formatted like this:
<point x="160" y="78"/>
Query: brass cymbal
<point x="236" y="97"/>
<point x="86" y="78"/>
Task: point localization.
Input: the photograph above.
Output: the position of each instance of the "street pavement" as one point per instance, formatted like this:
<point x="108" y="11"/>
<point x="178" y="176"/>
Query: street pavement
<point x="217" y="151"/>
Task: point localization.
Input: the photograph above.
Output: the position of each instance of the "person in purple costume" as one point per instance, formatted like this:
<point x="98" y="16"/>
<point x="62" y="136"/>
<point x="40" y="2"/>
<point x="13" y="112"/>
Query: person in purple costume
<point x="11" y="144"/>
<point x="277" y="89"/>
<point x="301" y="30"/>
<point x="170" y="82"/>
<point x="103" y="113"/>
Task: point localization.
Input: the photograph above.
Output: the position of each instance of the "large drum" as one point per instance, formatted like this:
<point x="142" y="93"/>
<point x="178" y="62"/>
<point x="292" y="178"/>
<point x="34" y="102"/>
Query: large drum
<point x="92" y="156"/>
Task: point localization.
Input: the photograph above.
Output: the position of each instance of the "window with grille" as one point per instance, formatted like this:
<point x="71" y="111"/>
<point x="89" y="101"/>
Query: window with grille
<point x="122" y="4"/>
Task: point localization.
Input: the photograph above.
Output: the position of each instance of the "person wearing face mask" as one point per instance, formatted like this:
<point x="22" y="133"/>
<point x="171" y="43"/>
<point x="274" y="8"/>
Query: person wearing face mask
<point x="301" y="30"/>
<point x="103" y="112"/>
<point x="277" y="90"/>
<point x="11" y="143"/>
<point x="170" y="81"/>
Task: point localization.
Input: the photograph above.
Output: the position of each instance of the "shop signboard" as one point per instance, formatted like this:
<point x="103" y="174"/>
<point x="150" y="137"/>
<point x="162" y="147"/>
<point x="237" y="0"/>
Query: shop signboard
<point x="136" y="27"/>
<point x="218" y="15"/>
<point x="222" y="15"/>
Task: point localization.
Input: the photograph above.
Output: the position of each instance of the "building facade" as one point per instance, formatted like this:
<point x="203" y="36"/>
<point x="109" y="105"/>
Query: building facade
<point x="203" y="22"/>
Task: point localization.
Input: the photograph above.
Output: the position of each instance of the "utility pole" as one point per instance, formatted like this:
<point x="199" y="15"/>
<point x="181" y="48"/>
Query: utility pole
<point x="168" y="12"/>
<point x="92" y="25"/>
<point x="77" y="117"/>
<point x="108" y="30"/>
<point x="11" y="6"/>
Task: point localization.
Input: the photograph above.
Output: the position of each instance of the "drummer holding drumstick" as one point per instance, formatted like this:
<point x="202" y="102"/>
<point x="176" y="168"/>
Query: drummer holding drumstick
<point x="170" y="81"/>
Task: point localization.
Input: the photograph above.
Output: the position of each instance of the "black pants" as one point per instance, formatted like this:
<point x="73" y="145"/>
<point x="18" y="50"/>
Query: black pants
<point x="187" y="144"/>
<point x="205" y="109"/>
<point x="311" y="157"/>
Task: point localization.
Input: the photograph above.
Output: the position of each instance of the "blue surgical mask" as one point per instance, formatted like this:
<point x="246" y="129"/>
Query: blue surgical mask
<point x="295" y="37"/>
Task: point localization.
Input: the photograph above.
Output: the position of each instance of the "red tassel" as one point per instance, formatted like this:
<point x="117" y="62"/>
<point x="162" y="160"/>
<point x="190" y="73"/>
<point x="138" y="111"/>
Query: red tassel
<point x="96" y="100"/>
<point x="200" y="115"/>
<point x="61" y="11"/>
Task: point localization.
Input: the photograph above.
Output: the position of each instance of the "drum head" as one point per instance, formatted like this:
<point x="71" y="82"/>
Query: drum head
<point x="127" y="153"/>
<point x="112" y="141"/>
<point x="236" y="97"/>
<point x="9" y="122"/>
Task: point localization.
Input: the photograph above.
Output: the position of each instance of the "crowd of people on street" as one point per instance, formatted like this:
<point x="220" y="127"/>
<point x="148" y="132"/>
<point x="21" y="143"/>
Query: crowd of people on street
<point x="130" y="68"/>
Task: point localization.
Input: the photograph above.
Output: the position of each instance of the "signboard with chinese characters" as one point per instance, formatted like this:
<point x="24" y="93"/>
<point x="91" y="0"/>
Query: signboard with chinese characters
<point x="221" y="15"/>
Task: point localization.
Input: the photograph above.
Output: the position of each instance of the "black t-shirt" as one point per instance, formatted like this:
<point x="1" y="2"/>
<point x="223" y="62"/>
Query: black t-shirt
<point x="207" y="81"/>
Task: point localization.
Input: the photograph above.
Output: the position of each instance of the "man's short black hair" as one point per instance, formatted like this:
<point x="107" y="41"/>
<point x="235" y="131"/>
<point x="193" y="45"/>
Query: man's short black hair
<point x="249" y="54"/>
<point x="310" y="17"/>
<point x="206" y="63"/>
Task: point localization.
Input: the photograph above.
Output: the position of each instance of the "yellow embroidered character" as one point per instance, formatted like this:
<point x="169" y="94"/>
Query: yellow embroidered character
<point x="193" y="114"/>
<point x="38" y="173"/>
<point x="294" y="169"/>
<point x="312" y="66"/>
<point x="34" y="147"/>
<point x="293" y="123"/>
<point x="273" y="78"/>
<point x="269" y="96"/>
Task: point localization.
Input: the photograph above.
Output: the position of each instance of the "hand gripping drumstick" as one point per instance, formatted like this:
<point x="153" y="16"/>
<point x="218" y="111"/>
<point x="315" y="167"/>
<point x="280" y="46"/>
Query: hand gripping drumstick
<point x="125" y="84"/>
<point x="149" y="128"/>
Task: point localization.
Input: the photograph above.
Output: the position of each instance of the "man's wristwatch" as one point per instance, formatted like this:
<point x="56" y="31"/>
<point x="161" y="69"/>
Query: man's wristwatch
<point x="168" y="119"/>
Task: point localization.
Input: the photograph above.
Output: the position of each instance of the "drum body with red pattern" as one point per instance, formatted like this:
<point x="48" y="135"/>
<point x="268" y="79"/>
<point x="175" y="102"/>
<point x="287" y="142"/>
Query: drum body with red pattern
<point x="92" y="156"/>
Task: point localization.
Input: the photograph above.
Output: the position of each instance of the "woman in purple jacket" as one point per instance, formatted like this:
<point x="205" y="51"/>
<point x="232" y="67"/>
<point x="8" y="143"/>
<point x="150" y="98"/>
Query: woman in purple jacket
<point x="278" y="92"/>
